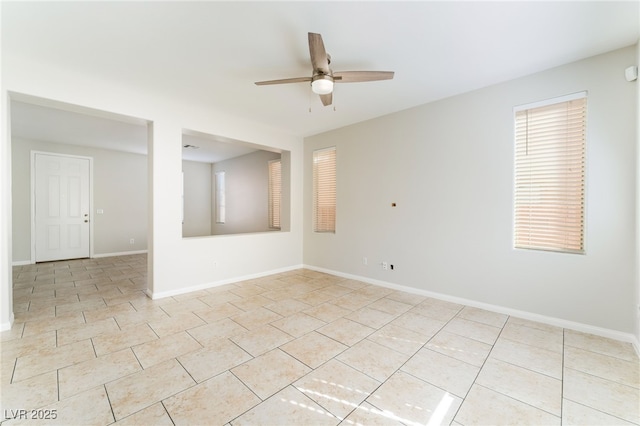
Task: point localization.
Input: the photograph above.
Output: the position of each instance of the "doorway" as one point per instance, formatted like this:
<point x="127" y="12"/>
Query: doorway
<point x="61" y="206"/>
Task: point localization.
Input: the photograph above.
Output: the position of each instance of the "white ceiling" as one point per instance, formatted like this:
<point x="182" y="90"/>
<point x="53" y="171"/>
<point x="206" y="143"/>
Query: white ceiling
<point x="211" y="53"/>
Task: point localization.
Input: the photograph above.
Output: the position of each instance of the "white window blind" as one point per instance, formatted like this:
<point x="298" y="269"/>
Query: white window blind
<point x="549" y="176"/>
<point x="220" y="197"/>
<point x="324" y="190"/>
<point x="275" y="193"/>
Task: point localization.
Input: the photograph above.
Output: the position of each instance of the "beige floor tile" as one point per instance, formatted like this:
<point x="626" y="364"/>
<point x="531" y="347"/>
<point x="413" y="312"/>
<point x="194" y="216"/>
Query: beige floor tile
<point x="256" y="318"/>
<point x="549" y="340"/>
<point x="483" y="316"/>
<point x="473" y="330"/>
<point x="261" y="340"/>
<point x="298" y="324"/>
<point x="209" y="334"/>
<point x="399" y="339"/>
<point x="165" y="348"/>
<point x="574" y="414"/>
<point x="122" y="339"/>
<point x="314" y="298"/>
<point x="484" y="406"/>
<point x="19" y="347"/>
<point x="440" y="370"/>
<point x="379" y="366"/>
<point x="533" y="358"/>
<point x="287" y="307"/>
<point x="87" y="408"/>
<point x="79" y="332"/>
<point x="404" y="297"/>
<point x="86" y="305"/>
<point x="367" y="414"/>
<point x="270" y="372"/>
<point x="427" y="327"/>
<point x="327" y="312"/>
<point x="48" y="324"/>
<point x="413" y="401"/>
<point x="313" y="349"/>
<point x="47" y="302"/>
<point x="95" y="372"/>
<point x="13" y="334"/>
<point x="219" y="356"/>
<point x="336" y="291"/>
<point x="25" y="315"/>
<point x="460" y="347"/>
<point x="337" y="387"/>
<point x="354" y="301"/>
<point x="603" y="345"/>
<point x="532" y="388"/>
<point x="186" y="305"/>
<point x="604" y="366"/>
<point x="150" y="314"/>
<point x="222" y="398"/>
<point x="253" y="302"/>
<point x="346" y="331"/>
<point x="44" y="360"/>
<point x="445" y="346"/>
<point x="137" y="391"/>
<point x="602" y="395"/>
<point x="370" y="317"/>
<point x="352" y="284"/>
<point x="435" y="311"/>
<point x="179" y="322"/>
<point x="533" y="324"/>
<point x="154" y="415"/>
<point x="218" y="312"/>
<point x="390" y="306"/>
<point x="288" y="407"/>
<point x="373" y="291"/>
<point x="29" y="394"/>
<point x="108" y="312"/>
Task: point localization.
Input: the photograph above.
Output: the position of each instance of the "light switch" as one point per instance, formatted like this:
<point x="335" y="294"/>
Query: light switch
<point x="100" y="211"/>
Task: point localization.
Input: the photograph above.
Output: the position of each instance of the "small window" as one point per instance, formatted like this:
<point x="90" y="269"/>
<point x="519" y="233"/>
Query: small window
<point x="324" y="190"/>
<point x="220" y="197"/>
<point x="275" y="193"/>
<point x="550" y="175"/>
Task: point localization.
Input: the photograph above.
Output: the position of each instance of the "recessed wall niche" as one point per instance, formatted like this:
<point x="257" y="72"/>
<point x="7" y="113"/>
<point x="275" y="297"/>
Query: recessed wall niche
<point x="233" y="187"/>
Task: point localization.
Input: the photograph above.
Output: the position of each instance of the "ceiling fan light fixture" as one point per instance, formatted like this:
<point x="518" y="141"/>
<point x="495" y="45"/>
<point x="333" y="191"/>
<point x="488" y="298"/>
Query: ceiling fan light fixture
<point x="322" y="84"/>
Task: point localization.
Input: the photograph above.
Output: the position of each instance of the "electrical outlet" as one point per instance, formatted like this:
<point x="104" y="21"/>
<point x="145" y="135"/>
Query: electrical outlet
<point x="385" y="265"/>
<point x="132" y="241"/>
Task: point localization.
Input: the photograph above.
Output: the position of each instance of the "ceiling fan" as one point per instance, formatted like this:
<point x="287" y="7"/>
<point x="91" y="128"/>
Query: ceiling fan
<point x="323" y="77"/>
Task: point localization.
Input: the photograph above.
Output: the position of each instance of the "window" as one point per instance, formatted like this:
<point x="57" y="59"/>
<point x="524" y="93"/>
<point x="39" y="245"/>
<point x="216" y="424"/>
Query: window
<point x="324" y="190"/>
<point x="549" y="175"/>
<point x="220" y="198"/>
<point x="275" y="193"/>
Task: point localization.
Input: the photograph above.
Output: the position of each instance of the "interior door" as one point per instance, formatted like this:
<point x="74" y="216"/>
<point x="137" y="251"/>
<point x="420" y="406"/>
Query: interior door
<point x="62" y="206"/>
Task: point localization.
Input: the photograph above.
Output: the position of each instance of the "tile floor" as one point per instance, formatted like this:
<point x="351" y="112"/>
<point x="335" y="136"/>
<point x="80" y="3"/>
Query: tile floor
<point x="302" y="347"/>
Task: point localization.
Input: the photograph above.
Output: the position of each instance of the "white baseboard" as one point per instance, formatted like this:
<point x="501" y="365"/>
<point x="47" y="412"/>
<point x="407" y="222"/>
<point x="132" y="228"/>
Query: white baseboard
<point x="204" y="286"/>
<point x="120" y="253"/>
<point x="7" y="325"/>
<point x="558" y="322"/>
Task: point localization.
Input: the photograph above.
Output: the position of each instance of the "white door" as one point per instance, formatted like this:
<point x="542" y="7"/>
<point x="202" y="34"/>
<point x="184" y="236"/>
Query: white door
<point x="61" y="207"/>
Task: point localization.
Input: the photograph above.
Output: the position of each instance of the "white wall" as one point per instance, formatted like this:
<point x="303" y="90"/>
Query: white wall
<point x="246" y="193"/>
<point x="119" y="189"/>
<point x="197" y="198"/>
<point x="449" y="167"/>
<point x="176" y="264"/>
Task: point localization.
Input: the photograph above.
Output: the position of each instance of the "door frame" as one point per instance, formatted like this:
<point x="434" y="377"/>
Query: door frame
<point x="33" y="198"/>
